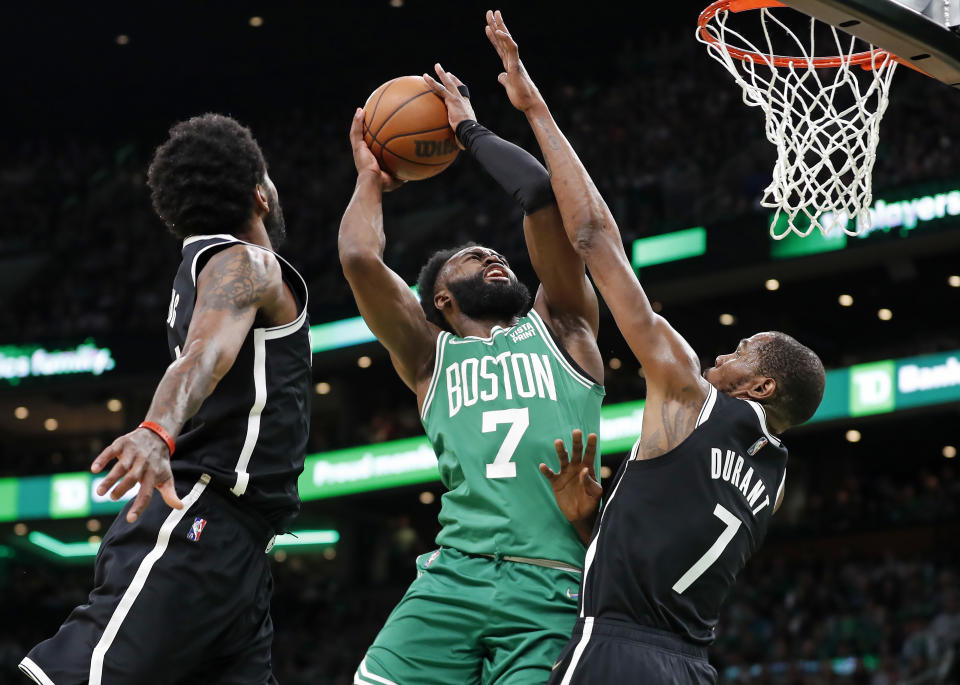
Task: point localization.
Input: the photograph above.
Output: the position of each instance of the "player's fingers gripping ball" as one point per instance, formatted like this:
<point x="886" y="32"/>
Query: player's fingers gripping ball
<point x="406" y="128"/>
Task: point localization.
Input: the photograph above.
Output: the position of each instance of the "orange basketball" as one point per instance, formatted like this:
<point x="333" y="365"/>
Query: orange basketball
<point x="405" y="125"/>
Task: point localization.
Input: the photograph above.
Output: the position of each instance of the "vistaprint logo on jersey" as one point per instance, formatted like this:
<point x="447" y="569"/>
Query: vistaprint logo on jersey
<point x="523" y="332"/>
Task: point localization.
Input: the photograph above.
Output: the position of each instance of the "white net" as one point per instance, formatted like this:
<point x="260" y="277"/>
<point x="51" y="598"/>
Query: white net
<point x="822" y="115"/>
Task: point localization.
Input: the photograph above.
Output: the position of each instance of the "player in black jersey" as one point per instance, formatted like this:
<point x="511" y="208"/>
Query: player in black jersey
<point x="182" y="583"/>
<point x="694" y="500"/>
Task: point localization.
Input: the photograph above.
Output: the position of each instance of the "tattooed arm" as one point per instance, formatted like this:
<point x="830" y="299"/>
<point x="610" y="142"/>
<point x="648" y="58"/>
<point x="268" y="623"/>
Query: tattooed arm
<point x="237" y="286"/>
<point x="675" y="389"/>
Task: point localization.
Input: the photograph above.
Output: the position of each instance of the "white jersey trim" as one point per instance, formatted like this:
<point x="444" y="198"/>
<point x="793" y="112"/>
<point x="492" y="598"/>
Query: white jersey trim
<point x="783" y="481"/>
<point x="34" y="672"/>
<point x="435" y="378"/>
<point x="253" y="419"/>
<point x="578" y="650"/>
<point x="287" y="328"/>
<point x="193" y="266"/>
<point x="197" y="238"/>
<point x="139" y="580"/>
<point x="762" y="417"/>
<point x="592" y="549"/>
<point x="552" y="346"/>
<point x="635" y="449"/>
<point x="364" y="677"/>
<point x="707" y="407"/>
<point x="273" y="332"/>
<point x="494" y="332"/>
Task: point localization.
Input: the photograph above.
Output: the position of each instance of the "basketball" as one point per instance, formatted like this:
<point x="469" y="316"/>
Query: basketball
<point x="405" y="125"/>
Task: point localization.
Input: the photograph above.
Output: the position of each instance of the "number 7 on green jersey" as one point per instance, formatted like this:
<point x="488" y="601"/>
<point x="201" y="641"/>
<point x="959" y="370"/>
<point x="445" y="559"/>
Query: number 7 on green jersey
<point x="519" y="420"/>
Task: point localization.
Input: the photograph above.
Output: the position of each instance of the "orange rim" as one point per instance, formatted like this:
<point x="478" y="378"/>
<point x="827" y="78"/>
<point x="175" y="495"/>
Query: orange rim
<point x="867" y="60"/>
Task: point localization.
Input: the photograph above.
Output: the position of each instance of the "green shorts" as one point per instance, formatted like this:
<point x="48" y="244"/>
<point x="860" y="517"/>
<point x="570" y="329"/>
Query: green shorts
<point x="472" y="620"/>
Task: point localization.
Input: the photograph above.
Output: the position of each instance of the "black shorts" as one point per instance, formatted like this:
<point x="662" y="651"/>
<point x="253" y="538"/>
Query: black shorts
<point x="604" y="652"/>
<point x="180" y="596"/>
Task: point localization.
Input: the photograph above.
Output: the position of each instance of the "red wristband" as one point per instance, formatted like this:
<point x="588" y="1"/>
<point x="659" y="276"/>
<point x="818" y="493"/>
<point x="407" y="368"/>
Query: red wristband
<point x="159" y="430"/>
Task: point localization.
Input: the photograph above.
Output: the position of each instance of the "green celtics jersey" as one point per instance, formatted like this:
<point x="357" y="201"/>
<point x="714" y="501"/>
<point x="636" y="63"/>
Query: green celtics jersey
<point x="494" y="407"/>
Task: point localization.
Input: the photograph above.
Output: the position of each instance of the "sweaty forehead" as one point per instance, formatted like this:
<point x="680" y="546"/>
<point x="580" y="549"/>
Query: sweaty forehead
<point x="468" y="250"/>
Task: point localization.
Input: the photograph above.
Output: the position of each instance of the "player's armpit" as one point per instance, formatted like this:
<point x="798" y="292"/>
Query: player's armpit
<point x="567" y="289"/>
<point x="566" y="299"/>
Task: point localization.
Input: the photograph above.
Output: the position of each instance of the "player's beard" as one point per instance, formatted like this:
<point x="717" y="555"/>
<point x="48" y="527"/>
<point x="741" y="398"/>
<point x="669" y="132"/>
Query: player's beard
<point x="480" y="299"/>
<point x="273" y="221"/>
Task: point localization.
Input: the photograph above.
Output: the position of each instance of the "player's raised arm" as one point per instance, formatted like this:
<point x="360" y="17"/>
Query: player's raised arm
<point x="668" y="360"/>
<point x="565" y="298"/>
<point x="234" y="287"/>
<point x="387" y="304"/>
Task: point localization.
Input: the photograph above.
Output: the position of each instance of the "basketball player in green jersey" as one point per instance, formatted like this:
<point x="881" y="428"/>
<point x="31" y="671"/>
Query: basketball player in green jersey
<point x="496" y="382"/>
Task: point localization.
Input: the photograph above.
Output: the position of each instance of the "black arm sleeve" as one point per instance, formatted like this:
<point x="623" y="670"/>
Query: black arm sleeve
<point x="515" y="169"/>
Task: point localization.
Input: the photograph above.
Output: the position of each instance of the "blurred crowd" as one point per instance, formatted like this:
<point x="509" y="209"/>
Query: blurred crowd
<point x="866" y="499"/>
<point x="881" y="622"/>
<point x="865" y="621"/>
<point x="669" y="145"/>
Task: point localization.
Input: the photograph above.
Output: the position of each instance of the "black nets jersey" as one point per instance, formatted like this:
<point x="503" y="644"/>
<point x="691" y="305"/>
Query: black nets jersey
<point x="678" y="528"/>
<point x="250" y="434"/>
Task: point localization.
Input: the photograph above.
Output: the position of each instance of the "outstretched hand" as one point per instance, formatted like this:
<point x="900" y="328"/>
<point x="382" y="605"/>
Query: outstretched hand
<point x="142" y="457"/>
<point x="448" y="89"/>
<point x="575" y="486"/>
<point x="363" y="158"/>
<point x="516" y="81"/>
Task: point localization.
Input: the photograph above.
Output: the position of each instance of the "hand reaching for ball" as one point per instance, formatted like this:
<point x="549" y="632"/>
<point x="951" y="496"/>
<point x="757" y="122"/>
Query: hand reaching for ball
<point x="364" y="160"/>
<point x="520" y="89"/>
<point x="448" y="88"/>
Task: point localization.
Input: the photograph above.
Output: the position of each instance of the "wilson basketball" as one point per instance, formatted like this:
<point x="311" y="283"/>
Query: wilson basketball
<point x="405" y="125"/>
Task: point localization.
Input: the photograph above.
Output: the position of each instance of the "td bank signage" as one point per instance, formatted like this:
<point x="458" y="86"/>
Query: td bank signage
<point x="899" y="384"/>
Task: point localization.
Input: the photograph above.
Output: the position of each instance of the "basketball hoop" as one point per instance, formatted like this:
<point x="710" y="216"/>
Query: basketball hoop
<point x="822" y="115"/>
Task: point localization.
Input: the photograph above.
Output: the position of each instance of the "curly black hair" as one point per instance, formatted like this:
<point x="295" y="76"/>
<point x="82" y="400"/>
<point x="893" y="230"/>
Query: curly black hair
<point x="427" y="283"/>
<point x="798" y="372"/>
<point x="202" y="178"/>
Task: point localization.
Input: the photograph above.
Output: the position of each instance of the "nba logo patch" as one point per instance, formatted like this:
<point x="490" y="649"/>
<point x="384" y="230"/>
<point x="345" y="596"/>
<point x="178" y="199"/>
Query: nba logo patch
<point x="196" y="529"/>
<point x="757" y="446"/>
